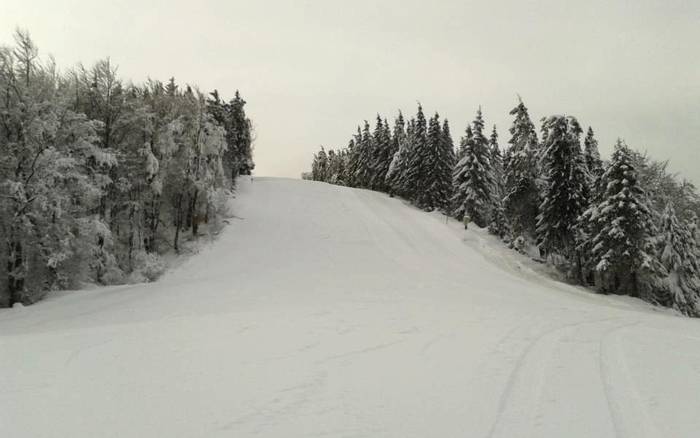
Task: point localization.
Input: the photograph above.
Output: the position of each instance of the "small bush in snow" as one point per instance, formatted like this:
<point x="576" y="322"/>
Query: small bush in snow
<point x="147" y="267"/>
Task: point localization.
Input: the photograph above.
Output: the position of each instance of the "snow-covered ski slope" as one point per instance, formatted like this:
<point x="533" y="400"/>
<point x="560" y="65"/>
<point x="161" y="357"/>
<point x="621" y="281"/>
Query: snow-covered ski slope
<point x="328" y="311"/>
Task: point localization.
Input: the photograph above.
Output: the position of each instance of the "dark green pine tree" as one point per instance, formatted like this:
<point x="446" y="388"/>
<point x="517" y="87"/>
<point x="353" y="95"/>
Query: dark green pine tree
<point x="426" y="196"/>
<point x="376" y="152"/>
<point x="497" y="166"/>
<point x="417" y="166"/>
<point x="621" y="227"/>
<point x="521" y="197"/>
<point x="566" y="189"/>
<point x="472" y="178"/>
<point x="319" y="167"/>
<point x="237" y="158"/>
<point x="437" y="182"/>
<point x="382" y="155"/>
<point x="464" y="143"/>
<point x="342" y="167"/>
<point x="364" y="148"/>
<point x="499" y="223"/>
<point x="678" y="255"/>
<point x="403" y="184"/>
<point x="389" y="154"/>
<point x="398" y="157"/>
<point x="350" y="164"/>
<point x="593" y="162"/>
<point x="448" y="153"/>
<point x="241" y="143"/>
<point x="692" y="224"/>
<point x="335" y="167"/>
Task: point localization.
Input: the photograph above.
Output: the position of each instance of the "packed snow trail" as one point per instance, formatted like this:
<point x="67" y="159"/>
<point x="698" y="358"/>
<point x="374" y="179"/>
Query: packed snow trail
<point x="328" y="311"/>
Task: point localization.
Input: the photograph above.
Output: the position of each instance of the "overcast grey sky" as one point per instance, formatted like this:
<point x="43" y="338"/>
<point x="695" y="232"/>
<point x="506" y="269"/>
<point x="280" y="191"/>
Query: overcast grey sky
<point x="312" y="70"/>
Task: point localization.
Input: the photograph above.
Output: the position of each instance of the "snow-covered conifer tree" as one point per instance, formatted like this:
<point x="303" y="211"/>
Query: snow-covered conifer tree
<point x="382" y="155"/>
<point x="363" y="150"/>
<point x="464" y="143"/>
<point x="521" y="198"/>
<point x="416" y="166"/>
<point x="566" y="193"/>
<point x="621" y="227"/>
<point x="593" y="162"/>
<point x="436" y="181"/>
<point x="472" y="178"/>
<point x="678" y="255"/>
<point x="398" y="159"/>
<point x="498" y="224"/>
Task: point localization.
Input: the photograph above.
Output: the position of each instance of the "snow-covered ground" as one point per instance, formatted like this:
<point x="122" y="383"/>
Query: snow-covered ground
<point x="327" y="311"/>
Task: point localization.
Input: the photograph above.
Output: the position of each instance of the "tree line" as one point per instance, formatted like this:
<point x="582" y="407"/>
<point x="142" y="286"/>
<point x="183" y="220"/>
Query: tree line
<point x="623" y="226"/>
<point x="99" y="177"/>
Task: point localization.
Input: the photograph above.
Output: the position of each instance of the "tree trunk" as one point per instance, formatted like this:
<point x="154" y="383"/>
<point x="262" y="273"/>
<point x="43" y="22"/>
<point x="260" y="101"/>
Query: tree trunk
<point x="193" y="213"/>
<point x="178" y="223"/>
<point x="15" y="283"/>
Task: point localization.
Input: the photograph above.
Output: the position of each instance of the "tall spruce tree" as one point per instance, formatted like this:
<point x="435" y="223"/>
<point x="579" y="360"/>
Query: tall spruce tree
<point x="498" y="224"/>
<point x="464" y="143"/>
<point x="472" y="178"/>
<point x="692" y="224"/>
<point x="566" y="193"/>
<point x="319" y="168"/>
<point x="521" y="198"/>
<point x="593" y="162"/>
<point x="678" y="255"/>
<point x="399" y="158"/>
<point x="363" y="150"/>
<point x="382" y="154"/>
<point x="351" y="163"/>
<point x="496" y="165"/>
<point x="621" y="227"/>
<point x="437" y="182"/>
<point x="242" y="133"/>
<point x="237" y="159"/>
<point x="447" y="154"/>
<point x="417" y="166"/>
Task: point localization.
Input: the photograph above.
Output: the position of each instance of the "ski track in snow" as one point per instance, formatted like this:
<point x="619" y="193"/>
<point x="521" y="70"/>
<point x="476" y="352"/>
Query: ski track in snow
<point x="631" y="418"/>
<point x="336" y="312"/>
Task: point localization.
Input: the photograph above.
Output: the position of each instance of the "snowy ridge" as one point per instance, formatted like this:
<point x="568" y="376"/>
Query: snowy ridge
<point x="328" y="311"/>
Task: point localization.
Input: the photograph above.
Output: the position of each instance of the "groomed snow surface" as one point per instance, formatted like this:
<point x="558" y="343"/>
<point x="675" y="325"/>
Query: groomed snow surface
<point x="336" y="312"/>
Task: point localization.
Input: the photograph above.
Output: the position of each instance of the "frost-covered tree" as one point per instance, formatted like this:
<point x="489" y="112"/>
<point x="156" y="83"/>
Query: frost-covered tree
<point x="336" y="167"/>
<point x="521" y="198"/>
<point x="417" y="166"/>
<point x="382" y="154"/>
<point x="464" y="143"/>
<point x="678" y="255"/>
<point x="351" y="163"/>
<point x="498" y="224"/>
<point x="239" y="137"/>
<point x="446" y="164"/>
<point x="472" y="178"/>
<point x="364" y="146"/>
<point x="621" y="226"/>
<point x="319" y="167"/>
<point x="399" y="146"/>
<point x="437" y="162"/>
<point x="497" y="166"/>
<point x="592" y="157"/>
<point x="46" y="187"/>
<point x="692" y="224"/>
<point x="238" y="134"/>
<point x="566" y="192"/>
<point x="95" y="173"/>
